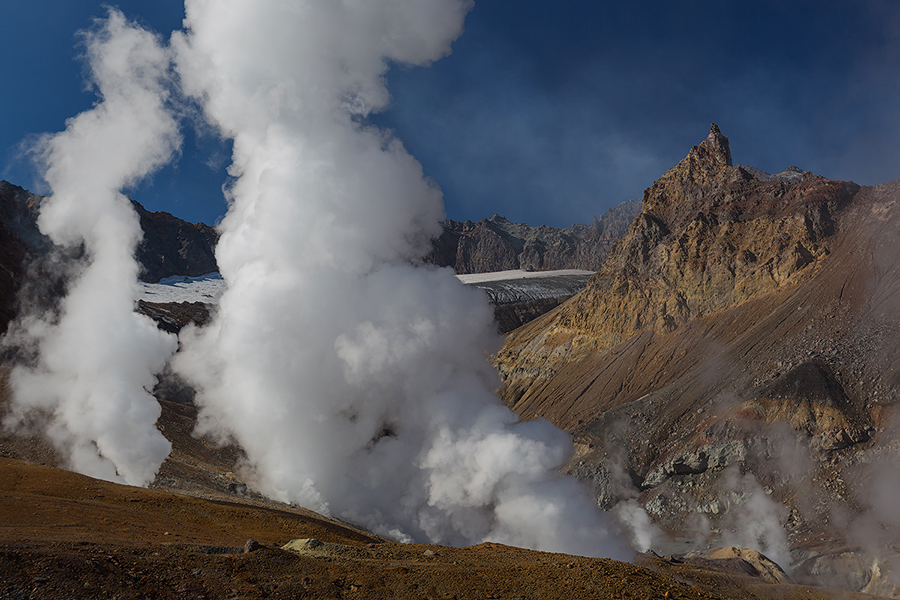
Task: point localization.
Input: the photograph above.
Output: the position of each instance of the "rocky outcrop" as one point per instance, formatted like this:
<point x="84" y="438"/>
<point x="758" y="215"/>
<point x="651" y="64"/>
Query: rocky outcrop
<point x="174" y="247"/>
<point x="709" y="237"/>
<point x="737" y="350"/>
<point x="518" y="301"/>
<point x="851" y="569"/>
<point x="792" y="173"/>
<point x="515" y="314"/>
<point x="174" y="316"/>
<point x="495" y="244"/>
<point x="744" y="561"/>
<point x="170" y="247"/>
<point x="810" y="399"/>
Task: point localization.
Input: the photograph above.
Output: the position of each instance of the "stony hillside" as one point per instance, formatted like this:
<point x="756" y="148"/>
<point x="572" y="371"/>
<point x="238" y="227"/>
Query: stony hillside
<point x="742" y="336"/>
<point x="200" y="532"/>
<point x="174" y="247"/>
<point x="68" y="536"/>
<point x="495" y="244"/>
<point x="170" y="246"/>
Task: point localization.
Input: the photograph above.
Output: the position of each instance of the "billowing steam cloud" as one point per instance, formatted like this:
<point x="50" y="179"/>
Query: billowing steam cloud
<point x="97" y="357"/>
<point x="356" y="381"/>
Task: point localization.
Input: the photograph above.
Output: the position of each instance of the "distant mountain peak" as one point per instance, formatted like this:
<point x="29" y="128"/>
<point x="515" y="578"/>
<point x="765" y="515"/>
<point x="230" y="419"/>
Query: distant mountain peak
<point x="497" y="244"/>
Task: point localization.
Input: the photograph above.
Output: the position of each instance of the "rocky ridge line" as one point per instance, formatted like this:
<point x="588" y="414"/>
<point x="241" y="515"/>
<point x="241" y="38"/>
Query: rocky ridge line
<point x="737" y="349"/>
<point x="496" y="244"/>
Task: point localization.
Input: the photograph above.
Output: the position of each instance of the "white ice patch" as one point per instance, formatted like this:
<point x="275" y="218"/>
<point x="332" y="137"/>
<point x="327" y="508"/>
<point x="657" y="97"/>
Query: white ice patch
<point x="209" y="287"/>
<point x="178" y="288"/>
<point x="518" y="274"/>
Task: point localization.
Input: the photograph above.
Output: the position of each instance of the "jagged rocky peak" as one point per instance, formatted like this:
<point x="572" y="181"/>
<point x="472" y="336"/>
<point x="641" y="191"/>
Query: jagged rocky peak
<point x="710" y="237"/>
<point x="791" y="172"/>
<point x="497" y="244"/>
<point x="707" y="166"/>
<point x="715" y="146"/>
<point x="743" y="317"/>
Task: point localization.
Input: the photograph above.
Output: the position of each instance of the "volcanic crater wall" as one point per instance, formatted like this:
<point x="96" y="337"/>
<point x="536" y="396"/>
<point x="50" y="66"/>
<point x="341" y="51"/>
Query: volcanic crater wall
<point x="740" y="343"/>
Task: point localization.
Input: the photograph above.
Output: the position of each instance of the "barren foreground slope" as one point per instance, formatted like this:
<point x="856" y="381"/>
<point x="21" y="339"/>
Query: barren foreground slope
<point x="64" y="535"/>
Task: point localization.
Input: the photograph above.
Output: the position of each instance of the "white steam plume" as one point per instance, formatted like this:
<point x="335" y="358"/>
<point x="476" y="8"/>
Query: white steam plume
<point x="757" y="521"/>
<point x="97" y="359"/>
<point x="357" y="383"/>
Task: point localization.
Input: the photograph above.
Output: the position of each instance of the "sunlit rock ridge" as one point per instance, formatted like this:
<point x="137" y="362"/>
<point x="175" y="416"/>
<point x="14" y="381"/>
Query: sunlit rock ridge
<point x="733" y="366"/>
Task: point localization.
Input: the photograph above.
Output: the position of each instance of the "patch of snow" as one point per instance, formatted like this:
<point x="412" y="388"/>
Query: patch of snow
<point x="528" y="289"/>
<point x="518" y="274"/>
<point x="203" y="288"/>
<point x="207" y="288"/>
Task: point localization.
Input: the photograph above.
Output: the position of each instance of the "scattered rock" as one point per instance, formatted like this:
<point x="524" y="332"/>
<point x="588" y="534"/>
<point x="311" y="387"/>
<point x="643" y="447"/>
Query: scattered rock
<point x="732" y="559"/>
<point x="303" y="545"/>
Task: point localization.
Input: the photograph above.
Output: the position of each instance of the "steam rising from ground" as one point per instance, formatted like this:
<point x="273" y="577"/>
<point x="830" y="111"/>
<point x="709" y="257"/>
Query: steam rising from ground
<point x="96" y="357"/>
<point x="356" y="381"/>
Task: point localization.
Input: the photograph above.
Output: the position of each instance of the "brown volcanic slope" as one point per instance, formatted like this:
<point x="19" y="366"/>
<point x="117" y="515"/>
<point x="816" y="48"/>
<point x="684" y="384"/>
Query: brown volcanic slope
<point x="710" y="239"/>
<point x="68" y="536"/>
<point x="739" y="326"/>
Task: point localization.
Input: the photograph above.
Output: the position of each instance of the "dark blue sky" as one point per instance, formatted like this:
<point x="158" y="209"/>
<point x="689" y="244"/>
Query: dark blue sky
<point x="550" y="113"/>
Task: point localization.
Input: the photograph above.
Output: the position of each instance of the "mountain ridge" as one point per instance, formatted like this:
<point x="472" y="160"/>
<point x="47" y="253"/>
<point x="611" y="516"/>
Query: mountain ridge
<point x="497" y="244"/>
<point x="741" y="336"/>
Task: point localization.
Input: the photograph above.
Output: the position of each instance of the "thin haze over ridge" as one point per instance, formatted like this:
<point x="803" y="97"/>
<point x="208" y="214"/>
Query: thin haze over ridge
<point x="356" y="381"/>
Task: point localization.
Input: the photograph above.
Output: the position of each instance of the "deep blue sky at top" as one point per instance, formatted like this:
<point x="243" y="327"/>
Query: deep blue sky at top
<point x="549" y="112"/>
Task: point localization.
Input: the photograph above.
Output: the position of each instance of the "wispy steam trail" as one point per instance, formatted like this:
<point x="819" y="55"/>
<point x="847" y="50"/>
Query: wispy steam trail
<point x="97" y="360"/>
<point x="356" y="381"/>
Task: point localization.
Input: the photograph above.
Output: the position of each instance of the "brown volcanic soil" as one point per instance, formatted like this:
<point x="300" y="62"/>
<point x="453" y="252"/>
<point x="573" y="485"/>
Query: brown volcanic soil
<point x="64" y="535"/>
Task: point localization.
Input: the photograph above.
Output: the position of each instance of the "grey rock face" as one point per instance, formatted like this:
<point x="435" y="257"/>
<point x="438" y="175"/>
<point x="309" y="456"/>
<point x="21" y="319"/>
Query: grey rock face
<point x="496" y="244"/>
<point x="174" y="247"/>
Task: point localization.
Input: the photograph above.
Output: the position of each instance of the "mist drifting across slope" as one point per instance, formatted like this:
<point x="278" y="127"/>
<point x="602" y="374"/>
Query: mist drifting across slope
<point x="96" y="357"/>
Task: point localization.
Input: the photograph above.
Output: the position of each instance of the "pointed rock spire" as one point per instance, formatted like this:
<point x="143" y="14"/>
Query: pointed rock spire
<point x="706" y="166"/>
<point x="718" y="144"/>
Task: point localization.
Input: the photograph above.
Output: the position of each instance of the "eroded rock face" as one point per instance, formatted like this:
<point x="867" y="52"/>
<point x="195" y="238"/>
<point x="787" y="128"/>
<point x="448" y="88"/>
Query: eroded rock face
<point x="172" y="246"/>
<point x="810" y="398"/>
<point x="741" y="561"/>
<point x="496" y="244"/>
<point x="739" y="348"/>
<point x="710" y="237"/>
<point x="851" y="570"/>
